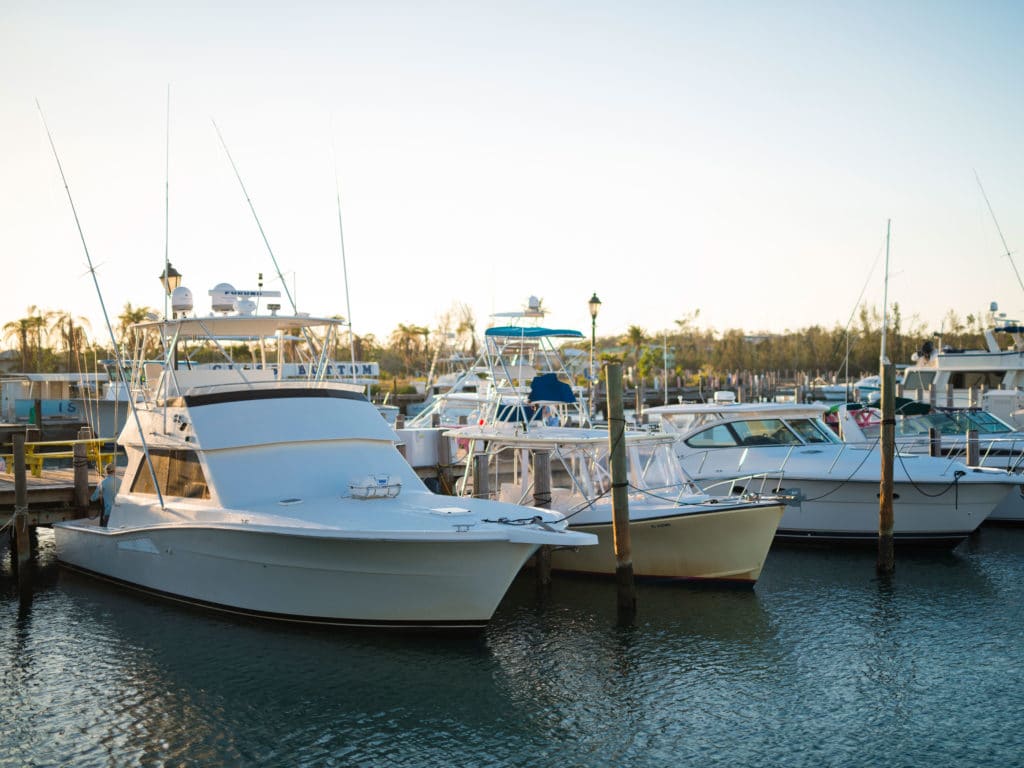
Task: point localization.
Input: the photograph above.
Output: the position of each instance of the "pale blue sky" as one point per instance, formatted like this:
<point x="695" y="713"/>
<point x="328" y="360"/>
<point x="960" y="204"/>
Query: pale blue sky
<point x="736" y="158"/>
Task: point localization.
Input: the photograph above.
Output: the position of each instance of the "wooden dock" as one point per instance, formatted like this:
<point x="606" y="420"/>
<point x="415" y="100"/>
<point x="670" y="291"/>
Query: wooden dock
<point x="50" y="497"/>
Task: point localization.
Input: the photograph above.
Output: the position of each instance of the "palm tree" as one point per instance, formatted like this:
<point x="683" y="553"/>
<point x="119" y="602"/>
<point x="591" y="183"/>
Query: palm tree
<point x="29" y="333"/>
<point x="18" y="331"/>
<point x="636" y="337"/>
<point x="71" y="332"/>
<point x="465" y="331"/>
<point x="405" y="339"/>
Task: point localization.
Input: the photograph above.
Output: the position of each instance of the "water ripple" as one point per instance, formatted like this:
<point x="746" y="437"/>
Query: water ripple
<point x="821" y="664"/>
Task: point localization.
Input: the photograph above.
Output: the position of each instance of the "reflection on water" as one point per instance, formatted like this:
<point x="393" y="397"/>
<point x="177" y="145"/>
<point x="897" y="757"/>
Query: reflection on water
<point x="821" y="664"/>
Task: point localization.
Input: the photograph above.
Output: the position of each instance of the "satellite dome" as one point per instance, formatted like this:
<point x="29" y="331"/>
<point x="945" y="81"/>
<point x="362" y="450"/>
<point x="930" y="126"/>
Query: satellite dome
<point x="181" y="299"/>
<point x="221" y="300"/>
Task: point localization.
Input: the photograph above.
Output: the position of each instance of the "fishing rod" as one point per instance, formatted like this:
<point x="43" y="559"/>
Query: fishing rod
<point x="344" y="268"/>
<point x="252" y="208"/>
<point x="167" y="200"/>
<point x="103" y="305"/>
<point x="995" y="221"/>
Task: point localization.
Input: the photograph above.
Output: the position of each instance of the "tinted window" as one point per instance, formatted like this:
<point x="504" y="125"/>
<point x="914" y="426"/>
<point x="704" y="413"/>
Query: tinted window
<point x="718" y="436"/>
<point x="179" y="473"/>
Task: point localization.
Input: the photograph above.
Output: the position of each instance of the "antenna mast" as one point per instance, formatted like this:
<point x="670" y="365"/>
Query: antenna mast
<point x="167" y="199"/>
<point x="266" y="242"/>
<point x="885" y="291"/>
<point x="344" y="269"/>
<point x="995" y="221"/>
<point x="103" y="307"/>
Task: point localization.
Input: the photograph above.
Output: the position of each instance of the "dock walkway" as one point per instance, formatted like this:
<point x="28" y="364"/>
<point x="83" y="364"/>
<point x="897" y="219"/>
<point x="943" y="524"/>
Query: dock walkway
<point x="50" y="496"/>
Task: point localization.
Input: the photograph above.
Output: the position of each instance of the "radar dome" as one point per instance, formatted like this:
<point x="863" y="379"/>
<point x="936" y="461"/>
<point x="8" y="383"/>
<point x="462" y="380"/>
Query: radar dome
<point x="181" y="299"/>
<point x="222" y="301"/>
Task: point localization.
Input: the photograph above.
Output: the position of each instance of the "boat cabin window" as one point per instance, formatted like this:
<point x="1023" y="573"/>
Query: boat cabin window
<point x="765" y="432"/>
<point x="178" y="472"/>
<point x="717" y="436"/>
<point x="913" y="380"/>
<point x="972" y="379"/>
<point x="655" y="466"/>
<point x="813" y="431"/>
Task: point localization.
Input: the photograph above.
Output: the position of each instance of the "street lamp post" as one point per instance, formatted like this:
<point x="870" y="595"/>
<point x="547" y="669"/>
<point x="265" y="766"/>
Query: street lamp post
<point x="170" y="279"/>
<point x="594" y="304"/>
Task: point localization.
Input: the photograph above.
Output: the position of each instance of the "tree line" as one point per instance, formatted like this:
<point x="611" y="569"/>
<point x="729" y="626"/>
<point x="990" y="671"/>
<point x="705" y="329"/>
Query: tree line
<point x="50" y="341"/>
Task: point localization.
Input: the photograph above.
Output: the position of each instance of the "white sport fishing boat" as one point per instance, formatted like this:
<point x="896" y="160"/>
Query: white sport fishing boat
<point x="677" y="531"/>
<point x="936" y="501"/>
<point x="255" y="493"/>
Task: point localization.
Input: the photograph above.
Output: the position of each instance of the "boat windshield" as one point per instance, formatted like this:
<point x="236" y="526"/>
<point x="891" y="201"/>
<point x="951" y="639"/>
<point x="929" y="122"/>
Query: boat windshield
<point x="655" y="466"/>
<point x="765" y="432"/>
<point x="955" y="423"/>
<point x="813" y="431"/>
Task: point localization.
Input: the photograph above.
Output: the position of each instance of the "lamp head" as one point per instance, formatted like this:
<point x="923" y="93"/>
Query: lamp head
<point x="170" y="278"/>
<point x="594" y="304"/>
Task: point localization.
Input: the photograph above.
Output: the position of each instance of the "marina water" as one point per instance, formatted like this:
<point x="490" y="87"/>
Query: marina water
<point x="820" y="664"/>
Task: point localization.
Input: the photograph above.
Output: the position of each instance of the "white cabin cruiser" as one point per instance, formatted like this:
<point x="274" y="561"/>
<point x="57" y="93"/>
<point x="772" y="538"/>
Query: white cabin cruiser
<point x="677" y="530"/>
<point x="963" y="377"/>
<point x="286" y="498"/>
<point x="1000" y="444"/>
<point x="785" y="446"/>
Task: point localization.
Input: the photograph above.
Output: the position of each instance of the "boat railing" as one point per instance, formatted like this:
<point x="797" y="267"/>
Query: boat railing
<point x="769" y="483"/>
<point x="38" y="452"/>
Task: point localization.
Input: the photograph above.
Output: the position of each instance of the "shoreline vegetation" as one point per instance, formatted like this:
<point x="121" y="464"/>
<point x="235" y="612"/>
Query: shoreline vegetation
<point x="49" y="341"/>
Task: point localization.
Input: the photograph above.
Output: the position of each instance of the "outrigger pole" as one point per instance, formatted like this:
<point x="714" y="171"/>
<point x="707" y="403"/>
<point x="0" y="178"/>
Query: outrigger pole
<point x="103" y="307"/>
<point x="252" y="208"/>
<point x="995" y="221"/>
<point x="344" y="268"/>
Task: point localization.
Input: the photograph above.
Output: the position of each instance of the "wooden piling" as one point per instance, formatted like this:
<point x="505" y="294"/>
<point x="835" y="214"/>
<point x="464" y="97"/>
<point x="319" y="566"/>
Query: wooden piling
<point x="949" y="394"/>
<point x="973" y="449"/>
<point x="886" y="563"/>
<point x="19" y="533"/>
<point x="481" y="479"/>
<point x="620" y="496"/>
<point x="445" y="473"/>
<point x="80" y="464"/>
<point x="400" y="421"/>
<point x="934" y="441"/>
<point x="542" y="500"/>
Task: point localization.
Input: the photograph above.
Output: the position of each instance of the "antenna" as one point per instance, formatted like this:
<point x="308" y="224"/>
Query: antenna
<point x="263" y="234"/>
<point x="344" y="266"/>
<point x="885" y="292"/>
<point x="999" y="230"/>
<point x="167" y="199"/>
<point x="103" y="307"/>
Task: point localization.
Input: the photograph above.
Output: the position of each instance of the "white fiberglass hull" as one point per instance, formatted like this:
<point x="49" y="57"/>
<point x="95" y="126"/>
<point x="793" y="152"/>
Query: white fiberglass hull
<point x="306" y="578"/>
<point x="724" y="544"/>
<point x="1010" y="510"/>
<point x="923" y="513"/>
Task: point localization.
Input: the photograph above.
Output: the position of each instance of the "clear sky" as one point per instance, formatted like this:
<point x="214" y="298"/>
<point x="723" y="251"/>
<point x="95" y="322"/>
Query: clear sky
<point x="740" y="158"/>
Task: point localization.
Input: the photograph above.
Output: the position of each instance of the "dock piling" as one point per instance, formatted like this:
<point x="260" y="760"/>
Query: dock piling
<point x="542" y="500"/>
<point x="620" y="497"/>
<point x="886" y="564"/>
<point x="19" y="533"/>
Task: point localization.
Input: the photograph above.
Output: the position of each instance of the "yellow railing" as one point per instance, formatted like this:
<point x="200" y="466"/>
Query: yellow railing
<point x="37" y="453"/>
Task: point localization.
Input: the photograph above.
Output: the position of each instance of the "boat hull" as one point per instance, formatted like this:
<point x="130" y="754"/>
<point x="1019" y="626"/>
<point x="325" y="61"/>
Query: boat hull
<point x="717" y="545"/>
<point x="303" y="578"/>
<point x="924" y="514"/>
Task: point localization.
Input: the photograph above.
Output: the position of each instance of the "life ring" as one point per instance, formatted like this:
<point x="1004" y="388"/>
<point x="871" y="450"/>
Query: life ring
<point x="867" y="417"/>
